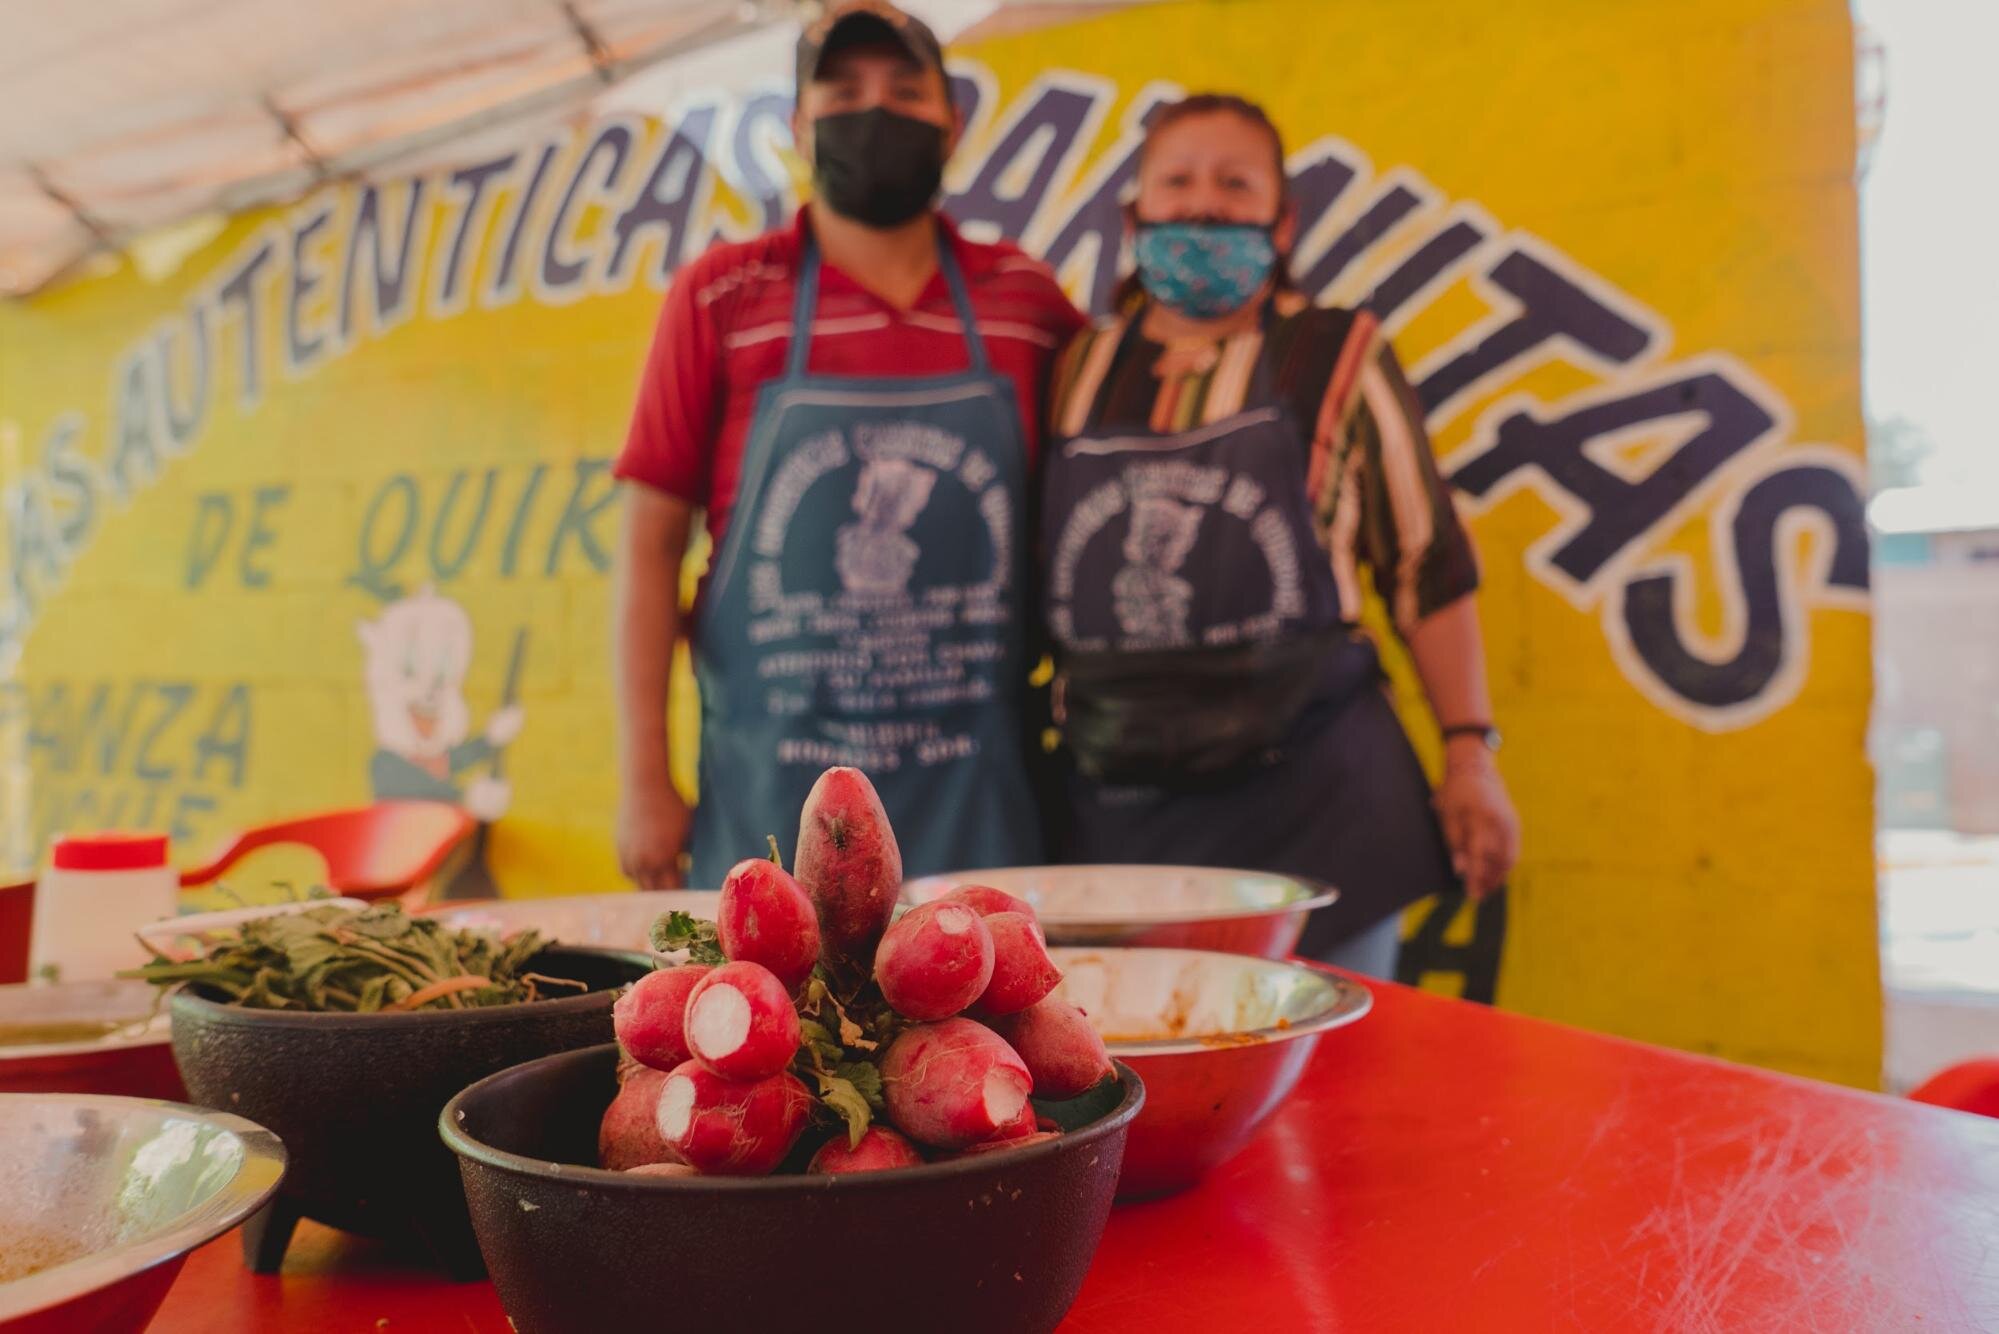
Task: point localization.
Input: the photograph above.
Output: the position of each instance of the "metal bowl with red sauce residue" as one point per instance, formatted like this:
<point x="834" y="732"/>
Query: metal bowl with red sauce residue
<point x="1219" y="1039"/>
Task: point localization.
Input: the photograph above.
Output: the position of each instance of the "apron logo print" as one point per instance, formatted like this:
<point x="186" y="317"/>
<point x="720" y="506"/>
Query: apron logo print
<point x="876" y="556"/>
<point x="1150" y="597"/>
<point x="1151" y="602"/>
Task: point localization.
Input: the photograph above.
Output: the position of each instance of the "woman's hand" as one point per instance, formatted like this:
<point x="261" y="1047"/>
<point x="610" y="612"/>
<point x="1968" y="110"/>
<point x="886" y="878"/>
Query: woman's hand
<point x="1480" y="825"/>
<point x="652" y="831"/>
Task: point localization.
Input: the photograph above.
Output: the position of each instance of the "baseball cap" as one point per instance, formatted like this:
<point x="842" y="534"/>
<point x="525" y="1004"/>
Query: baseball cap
<point x="848" y="21"/>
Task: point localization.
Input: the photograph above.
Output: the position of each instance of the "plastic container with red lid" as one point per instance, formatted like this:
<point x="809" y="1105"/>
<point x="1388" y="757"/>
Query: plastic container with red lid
<point x="99" y="889"/>
<point x="109" y="851"/>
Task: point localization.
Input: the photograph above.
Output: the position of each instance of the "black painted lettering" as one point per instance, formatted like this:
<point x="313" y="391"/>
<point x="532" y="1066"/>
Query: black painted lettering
<point x="214" y="519"/>
<point x="1768" y="615"/>
<point x="33" y="547"/>
<point x="173" y="697"/>
<point x="240" y="288"/>
<point x="446" y="566"/>
<point x="188" y="806"/>
<point x="72" y="482"/>
<point x="184" y="419"/>
<point x="1620" y="511"/>
<point x="1037" y="143"/>
<point x="1388" y="209"/>
<point x="1552" y="306"/>
<point x="581" y="515"/>
<point x="226" y="739"/>
<point x="388" y="273"/>
<point x="302" y="348"/>
<point x="375" y="562"/>
<point x="258" y="534"/>
<point x="51" y="731"/>
<point x="763" y="127"/>
<point x="135" y="447"/>
<point x="664" y="204"/>
<point x="1429" y="262"/>
<point x="506" y="277"/>
<point x="561" y="268"/>
<point x="510" y="553"/>
<point x="472" y="180"/>
<point x="102" y="733"/>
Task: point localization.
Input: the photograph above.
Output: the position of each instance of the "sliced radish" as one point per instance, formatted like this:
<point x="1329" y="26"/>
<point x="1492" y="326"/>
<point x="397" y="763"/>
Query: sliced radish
<point x="740" y="1022"/>
<point x="934" y="961"/>
<point x="953" y="1083"/>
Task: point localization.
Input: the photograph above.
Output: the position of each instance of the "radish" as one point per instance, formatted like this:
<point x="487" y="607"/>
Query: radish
<point x="880" y="1149"/>
<point x="1022" y="971"/>
<point x="992" y="1145"/>
<point x="651" y="1016"/>
<point x="848" y="861"/>
<point x="766" y="917"/>
<point x="934" y="961"/>
<point x="953" y="1083"/>
<point x="662" y="1170"/>
<point x="1022" y="1125"/>
<point x="740" y="1023"/>
<point x="985" y="900"/>
<point x="629" y="1136"/>
<point x="729" y="1128"/>
<point x="1060" y="1046"/>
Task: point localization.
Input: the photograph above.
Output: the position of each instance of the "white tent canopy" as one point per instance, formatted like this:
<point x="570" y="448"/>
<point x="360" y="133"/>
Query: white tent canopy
<point x="128" y="116"/>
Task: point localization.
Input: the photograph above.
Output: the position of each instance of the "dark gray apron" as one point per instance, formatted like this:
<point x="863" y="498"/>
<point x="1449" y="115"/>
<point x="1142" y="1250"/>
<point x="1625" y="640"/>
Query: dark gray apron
<point x="1167" y="553"/>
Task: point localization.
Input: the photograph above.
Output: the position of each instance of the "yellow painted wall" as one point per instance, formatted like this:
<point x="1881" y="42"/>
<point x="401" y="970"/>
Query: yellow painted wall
<point x="1671" y="184"/>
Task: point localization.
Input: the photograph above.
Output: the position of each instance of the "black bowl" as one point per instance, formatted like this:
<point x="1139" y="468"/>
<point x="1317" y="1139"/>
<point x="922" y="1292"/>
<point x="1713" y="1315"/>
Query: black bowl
<point x="993" y="1244"/>
<point x="355" y="1098"/>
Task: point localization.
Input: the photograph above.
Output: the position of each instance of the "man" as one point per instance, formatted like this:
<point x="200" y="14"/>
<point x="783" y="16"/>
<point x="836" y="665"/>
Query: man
<point x="854" y="401"/>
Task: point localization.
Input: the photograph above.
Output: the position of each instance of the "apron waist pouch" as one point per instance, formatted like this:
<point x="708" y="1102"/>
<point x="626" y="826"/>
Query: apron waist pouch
<point x="1167" y="714"/>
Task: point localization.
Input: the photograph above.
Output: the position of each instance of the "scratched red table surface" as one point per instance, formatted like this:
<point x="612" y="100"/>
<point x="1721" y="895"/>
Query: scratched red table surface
<point x="1444" y="1167"/>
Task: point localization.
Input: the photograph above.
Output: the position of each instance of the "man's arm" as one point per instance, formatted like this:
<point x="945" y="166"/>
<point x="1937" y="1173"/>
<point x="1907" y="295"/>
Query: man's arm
<point x="652" y="816"/>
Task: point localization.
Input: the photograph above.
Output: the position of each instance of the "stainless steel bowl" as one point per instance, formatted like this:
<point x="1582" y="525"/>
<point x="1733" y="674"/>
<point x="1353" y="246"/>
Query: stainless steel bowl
<point x="102" y="1198"/>
<point x="86" y="1037"/>
<point x="1163" y="907"/>
<point x="1219" y="1039"/>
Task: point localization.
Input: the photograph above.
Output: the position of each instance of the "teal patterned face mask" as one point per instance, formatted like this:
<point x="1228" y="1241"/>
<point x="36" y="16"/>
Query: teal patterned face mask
<point x="1204" y="270"/>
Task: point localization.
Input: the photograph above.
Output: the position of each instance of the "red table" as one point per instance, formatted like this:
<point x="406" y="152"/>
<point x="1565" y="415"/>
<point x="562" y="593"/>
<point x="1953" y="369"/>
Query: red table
<point x="1444" y="1167"/>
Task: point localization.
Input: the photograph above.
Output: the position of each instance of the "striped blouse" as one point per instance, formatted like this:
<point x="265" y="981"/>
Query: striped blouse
<point x="1381" y="506"/>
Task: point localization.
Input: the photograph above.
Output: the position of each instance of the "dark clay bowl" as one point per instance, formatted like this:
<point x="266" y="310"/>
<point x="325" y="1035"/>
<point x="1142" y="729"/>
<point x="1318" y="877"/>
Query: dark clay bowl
<point x="993" y="1244"/>
<point x="355" y="1098"/>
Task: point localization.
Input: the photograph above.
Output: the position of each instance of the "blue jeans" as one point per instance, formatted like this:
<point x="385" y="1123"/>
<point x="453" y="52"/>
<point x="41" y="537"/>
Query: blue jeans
<point x="1372" y="952"/>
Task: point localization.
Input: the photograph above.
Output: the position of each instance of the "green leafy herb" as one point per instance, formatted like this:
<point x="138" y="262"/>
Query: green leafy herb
<point x="866" y="1079"/>
<point x="845" y="1027"/>
<point x="677" y="931"/>
<point x="365" y="961"/>
<point x="846" y="1100"/>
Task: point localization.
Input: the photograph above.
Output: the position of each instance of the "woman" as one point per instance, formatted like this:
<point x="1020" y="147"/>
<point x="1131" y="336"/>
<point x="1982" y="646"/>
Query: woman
<point x="1227" y="461"/>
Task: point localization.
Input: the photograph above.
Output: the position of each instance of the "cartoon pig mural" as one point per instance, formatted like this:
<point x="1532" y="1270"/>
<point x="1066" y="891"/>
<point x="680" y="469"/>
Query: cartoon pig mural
<point x="417" y="652"/>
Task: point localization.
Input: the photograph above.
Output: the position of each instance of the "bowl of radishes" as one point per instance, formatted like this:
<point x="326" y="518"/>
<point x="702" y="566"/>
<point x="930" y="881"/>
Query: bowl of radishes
<point x="814" y="1096"/>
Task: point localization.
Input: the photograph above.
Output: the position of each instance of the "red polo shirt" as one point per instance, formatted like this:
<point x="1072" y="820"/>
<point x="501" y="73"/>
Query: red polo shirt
<point x="726" y="327"/>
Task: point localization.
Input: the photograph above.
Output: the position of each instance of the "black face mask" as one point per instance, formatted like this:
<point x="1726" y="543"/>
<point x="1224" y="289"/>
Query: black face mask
<point x="875" y="166"/>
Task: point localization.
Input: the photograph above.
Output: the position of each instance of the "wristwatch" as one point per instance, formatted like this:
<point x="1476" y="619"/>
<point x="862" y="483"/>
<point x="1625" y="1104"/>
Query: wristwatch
<point x="1487" y="734"/>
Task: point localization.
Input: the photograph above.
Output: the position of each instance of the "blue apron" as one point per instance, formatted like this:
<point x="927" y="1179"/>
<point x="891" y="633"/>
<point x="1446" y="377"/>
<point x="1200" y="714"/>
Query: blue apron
<point x="865" y="609"/>
<point x="1160" y="547"/>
